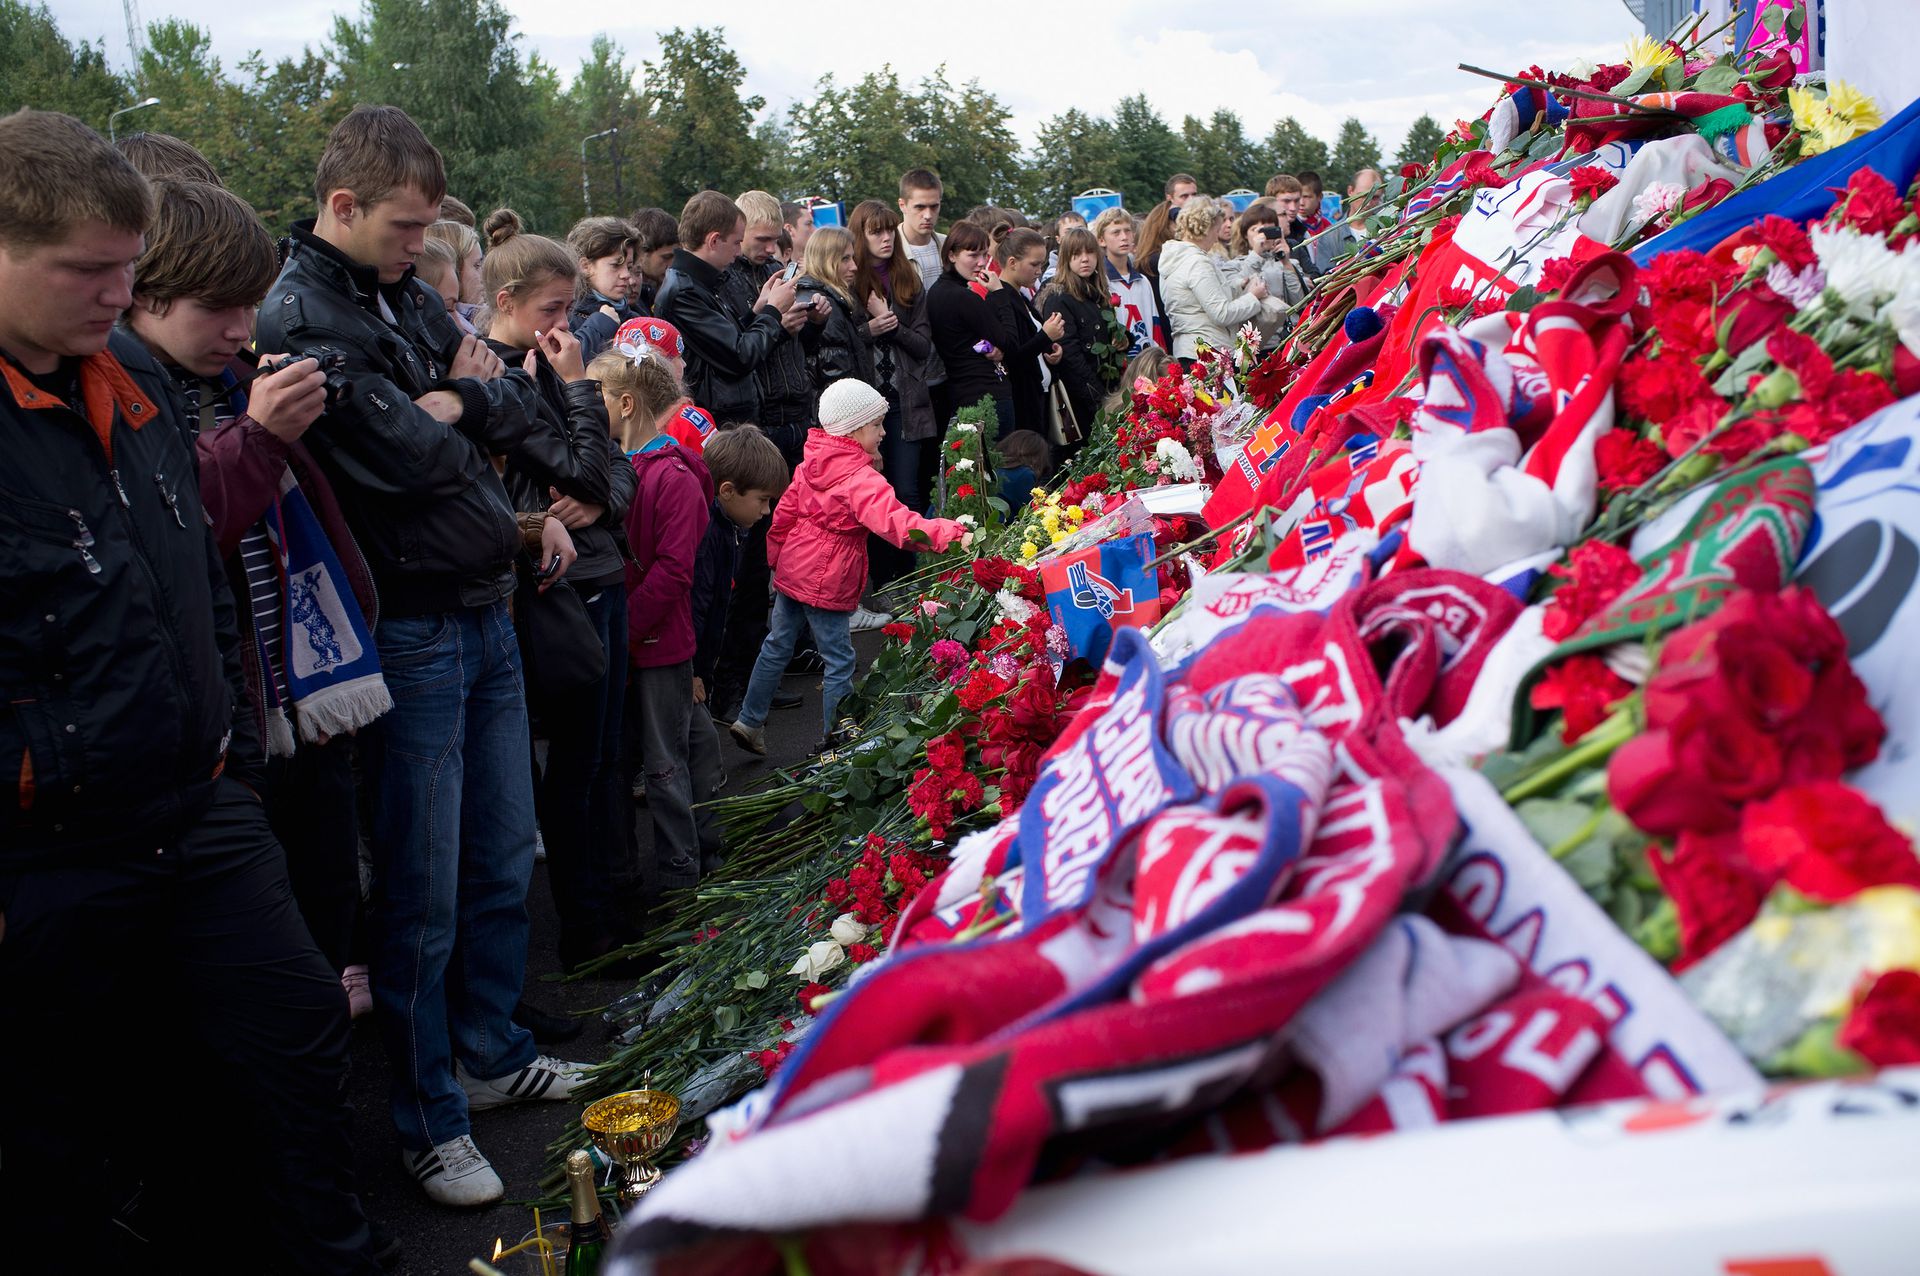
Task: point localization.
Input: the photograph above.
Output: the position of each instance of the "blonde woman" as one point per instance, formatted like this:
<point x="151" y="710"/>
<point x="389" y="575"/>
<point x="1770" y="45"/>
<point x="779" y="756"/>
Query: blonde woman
<point x="838" y="342"/>
<point x="1202" y="308"/>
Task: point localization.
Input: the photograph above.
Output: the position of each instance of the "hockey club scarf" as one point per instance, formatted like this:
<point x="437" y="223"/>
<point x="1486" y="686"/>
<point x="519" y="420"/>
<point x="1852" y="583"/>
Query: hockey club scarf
<point x="1746" y="534"/>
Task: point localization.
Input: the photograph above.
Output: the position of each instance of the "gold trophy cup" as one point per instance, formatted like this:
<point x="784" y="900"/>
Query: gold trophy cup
<point x="631" y="1129"/>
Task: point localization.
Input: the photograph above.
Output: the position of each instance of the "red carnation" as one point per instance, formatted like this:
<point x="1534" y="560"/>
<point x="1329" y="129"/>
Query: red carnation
<point x="1584" y="690"/>
<point x="981" y="689"/>
<point x="1870" y="204"/>
<point x="1788" y="241"/>
<point x="1555" y="273"/>
<point x="1884" y="1028"/>
<point x="1827" y="841"/>
<point x="860" y="954"/>
<point x="1596" y="573"/>
<point x="963" y="491"/>
<point x="1659" y="390"/>
<point x="808" y="992"/>
<point x="1590" y="182"/>
<point x="1625" y="460"/>
<point x="899" y="629"/>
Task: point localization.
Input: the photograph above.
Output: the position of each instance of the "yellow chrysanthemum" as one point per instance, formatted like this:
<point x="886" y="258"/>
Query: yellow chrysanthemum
<point x="1852" y="105"/>
<point x="1057" y="537"/>
<point x="1645" y="51"/>
<point x="1029" y="550"/>
<point x="1050" y="519"/>
<point x="1834" y="120"/>
<point x="1077" y="514"/>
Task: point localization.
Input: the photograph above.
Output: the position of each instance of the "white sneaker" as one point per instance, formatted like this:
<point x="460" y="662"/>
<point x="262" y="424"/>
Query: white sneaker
<point x="454" y="1173"/>
<point x="864" y="620"/>
<point x="544" y="1078"/>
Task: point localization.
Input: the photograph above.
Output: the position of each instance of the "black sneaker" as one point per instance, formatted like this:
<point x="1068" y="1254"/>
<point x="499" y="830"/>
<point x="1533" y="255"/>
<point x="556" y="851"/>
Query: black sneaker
<point x="387" y="1249"/>
<point x="807" y="662"/>
<point x="546" y="1026"/>
<point x="788" y="699"/>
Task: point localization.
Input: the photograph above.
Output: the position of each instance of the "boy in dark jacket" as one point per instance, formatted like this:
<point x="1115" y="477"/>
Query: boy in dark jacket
<point x="748" y="473"/>
<point x="136" y="865"/>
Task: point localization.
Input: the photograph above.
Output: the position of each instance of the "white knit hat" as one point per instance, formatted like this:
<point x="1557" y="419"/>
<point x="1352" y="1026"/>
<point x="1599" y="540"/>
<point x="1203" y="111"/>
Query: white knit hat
<point x="848" y="404"/>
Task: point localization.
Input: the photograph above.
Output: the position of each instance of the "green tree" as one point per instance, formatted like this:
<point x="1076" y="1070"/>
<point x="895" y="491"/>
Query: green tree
<point x="623" y="168"/>
<point x="1353" y="150"/>
<point x="853" y="143"/>
<point x="1222" y="157"/>
<point x="198" y="103"/>
<point x="706" y="123"/>
<point x="41" y="68"/>
<point x="1423" y="140"/>
<point x="963" y="136"/>
<point x="291" y="107"/>
<point x="1072" y="152"/>
<point x="778" y="161"/>
<point x="1148" y="152"/>
<point x="454" y="66"/>
<point x="1291" y="149"/>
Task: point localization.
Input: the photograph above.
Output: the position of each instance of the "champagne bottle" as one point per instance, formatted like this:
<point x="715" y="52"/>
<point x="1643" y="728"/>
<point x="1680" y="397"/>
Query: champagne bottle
<point x="590" y="1233"/>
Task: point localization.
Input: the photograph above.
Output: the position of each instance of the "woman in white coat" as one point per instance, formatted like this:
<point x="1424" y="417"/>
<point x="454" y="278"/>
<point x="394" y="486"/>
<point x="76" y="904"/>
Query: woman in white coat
<point x="1202" y="308"/>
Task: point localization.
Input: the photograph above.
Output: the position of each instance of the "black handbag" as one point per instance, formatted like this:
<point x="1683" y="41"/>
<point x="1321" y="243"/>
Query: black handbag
<point x="560" y="650"/>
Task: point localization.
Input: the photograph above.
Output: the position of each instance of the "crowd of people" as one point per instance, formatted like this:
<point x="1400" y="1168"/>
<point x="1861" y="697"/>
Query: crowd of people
<point x="421" y="531"/>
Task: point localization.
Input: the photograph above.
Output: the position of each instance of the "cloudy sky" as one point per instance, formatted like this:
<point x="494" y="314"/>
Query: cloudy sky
<point x="1385" y="61"/>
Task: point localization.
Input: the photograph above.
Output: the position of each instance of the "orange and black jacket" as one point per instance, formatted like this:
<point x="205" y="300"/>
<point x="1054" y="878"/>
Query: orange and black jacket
<point x="120" y="660"/>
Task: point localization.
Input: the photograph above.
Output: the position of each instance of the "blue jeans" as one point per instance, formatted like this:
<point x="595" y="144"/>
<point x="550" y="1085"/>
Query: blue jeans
<point x="452" y="800"/>
<point x="831" y="638"/>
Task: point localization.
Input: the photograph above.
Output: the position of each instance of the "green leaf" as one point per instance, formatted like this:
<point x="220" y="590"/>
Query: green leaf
<point x="1553" y="820"/>
<point x="726" y="1018"/>
<point x="1673" y="75"/>
<point x="1525" y="298"/>
<point x="1718" y="78"/>
<point x="918" y="537"/>
<point x="1772" y="19"/>
<point x="1635" y="81"/>
<point x="750" y="981"/>
<point x="1590" y="863"/>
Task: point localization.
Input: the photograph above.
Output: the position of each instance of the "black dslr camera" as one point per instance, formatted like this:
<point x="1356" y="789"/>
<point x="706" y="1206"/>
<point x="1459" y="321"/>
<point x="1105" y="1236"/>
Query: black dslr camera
<point x="332" y="363"/>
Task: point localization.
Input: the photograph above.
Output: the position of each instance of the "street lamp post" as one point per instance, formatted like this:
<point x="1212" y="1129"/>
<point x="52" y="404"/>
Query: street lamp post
<point x="586" y="195"/>
<point x="127" y="110"/>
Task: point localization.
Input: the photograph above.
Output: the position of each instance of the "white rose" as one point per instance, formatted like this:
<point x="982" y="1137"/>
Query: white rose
<point x="818" y="960"/>
<point x="966" y="520"/>
<point x="963" y="464"/>
<point x="848" y="929"/>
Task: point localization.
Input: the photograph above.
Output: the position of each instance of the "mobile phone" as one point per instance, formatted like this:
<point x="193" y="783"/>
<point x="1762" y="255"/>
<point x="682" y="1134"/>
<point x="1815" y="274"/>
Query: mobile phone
<point x="1269" y="232"/>
<point x="793" y="268"/>
<point x="546" y="573"/>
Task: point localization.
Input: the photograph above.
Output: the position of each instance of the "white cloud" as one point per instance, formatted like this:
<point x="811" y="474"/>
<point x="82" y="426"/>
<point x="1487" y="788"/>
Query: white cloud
<point x="1382" y="61"/>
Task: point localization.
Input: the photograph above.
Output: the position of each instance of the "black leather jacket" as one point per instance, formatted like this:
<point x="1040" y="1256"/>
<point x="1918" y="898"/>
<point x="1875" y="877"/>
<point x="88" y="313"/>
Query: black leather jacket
<point x="787" y="395"/>
<point x="422" y="497"/>
<point x="724" y="350"/>
<point x="120" y="654"/>
<point x="571" y="452"/>
<point x="840" y="347"/>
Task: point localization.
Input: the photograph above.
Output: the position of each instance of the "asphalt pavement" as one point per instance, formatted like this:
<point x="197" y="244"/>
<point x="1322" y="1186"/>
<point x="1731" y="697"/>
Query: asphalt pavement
<point x="440" y="1241"/>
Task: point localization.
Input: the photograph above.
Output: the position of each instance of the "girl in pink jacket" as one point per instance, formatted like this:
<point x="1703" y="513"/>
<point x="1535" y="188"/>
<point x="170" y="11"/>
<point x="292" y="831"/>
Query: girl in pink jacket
<point x="817" y="548"/>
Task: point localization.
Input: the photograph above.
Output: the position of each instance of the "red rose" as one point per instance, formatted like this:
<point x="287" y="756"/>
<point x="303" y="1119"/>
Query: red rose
<point x="1906" y="371"/>
<point x="1591" y="182"/>
<point x="1706" y="195"/>
<point x="1692" y="776"/>
<point x="1712" y="892"/>
<point x="1827" y="841"/>
<point x="1870" y="204"/>
<point x="1625" y="460"/>
<point x="1768" y="684"/>
<point x="991" y="573"/>
<point x="1413" y="172"/>
<point x="1034" y="706"/>
<point x="1596" y="573"/>
<point x="1775" y="71"/>
<point x="1584" y="690"/>
<point x="1754" y="314"/>
<point x="1884" y="1027"/>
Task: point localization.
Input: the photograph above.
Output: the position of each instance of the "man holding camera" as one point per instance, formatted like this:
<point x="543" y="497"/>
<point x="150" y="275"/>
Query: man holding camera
<point x="138" y="875"/>
<point x="409" y="449"/>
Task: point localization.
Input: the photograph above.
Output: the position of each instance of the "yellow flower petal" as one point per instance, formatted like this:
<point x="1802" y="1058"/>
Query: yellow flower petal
<point x="1645" y="51"/>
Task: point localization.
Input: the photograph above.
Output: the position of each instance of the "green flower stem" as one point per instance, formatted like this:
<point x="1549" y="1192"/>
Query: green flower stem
<point x="793" y="1255"/>
<point x="1579" y="836"/>
<point x="1596" y="746"/>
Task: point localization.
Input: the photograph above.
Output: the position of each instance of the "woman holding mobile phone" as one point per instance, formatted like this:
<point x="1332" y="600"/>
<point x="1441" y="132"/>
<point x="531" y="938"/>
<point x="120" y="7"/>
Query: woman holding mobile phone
<point x="1260" y="249"/>
<point x="839" y="346"/>
<point x="969" y="339"/>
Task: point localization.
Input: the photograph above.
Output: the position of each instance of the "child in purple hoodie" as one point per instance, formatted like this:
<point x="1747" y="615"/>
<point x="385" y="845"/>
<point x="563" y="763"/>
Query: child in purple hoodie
<point x="665" y="523"/>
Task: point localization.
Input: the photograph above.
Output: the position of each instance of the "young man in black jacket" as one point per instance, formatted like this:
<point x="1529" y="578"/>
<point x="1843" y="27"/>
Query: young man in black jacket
<point x="409" y="444"/>
<point x="724" y="348"/>
<point x="137" y="868"/>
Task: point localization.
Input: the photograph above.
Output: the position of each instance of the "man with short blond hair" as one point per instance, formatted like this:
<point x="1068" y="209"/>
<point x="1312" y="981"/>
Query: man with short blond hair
<point x="137" y="869"/>
<point x="1136" y="303"/>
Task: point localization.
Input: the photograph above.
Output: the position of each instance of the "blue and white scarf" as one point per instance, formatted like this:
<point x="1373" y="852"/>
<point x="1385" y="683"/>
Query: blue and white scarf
<point x="330" y="665"/>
